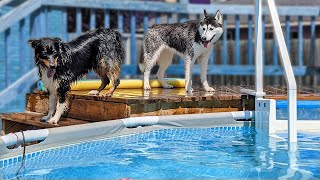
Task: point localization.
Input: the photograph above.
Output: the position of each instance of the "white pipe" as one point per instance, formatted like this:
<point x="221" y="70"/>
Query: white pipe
<point x="30" y="136"/>
<point x="290" y="79"/>
<point x="259" y="53"/>
<point x="242" y="114"/>
<point x="140" y="121"/>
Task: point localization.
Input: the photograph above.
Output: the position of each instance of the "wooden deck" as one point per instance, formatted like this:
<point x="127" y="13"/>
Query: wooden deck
<point x="136" y="102"/>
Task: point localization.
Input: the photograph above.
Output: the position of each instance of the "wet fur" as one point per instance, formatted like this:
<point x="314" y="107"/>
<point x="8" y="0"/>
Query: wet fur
<point x="100" y="50"/>
<point x="163" y="41"/>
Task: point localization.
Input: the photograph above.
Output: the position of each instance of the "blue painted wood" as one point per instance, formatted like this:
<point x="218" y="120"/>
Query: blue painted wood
<point x="158" y="18"/>
<point x="288" y="34"/>
<point x="42" y="22"/>
<point x="237" y="39"/>
<point x="120" y="22"/>
<point x="24" y="63"/>
<point x="18" y="13"/>
<point x="65" y="25"/>
<point x="133" y="39"/>
<point x="145" y="23"/>
<point x="6" y="56"/>
<point x="106" y="19"/>
<point x="92" y="19"/>
<point x="300" y="41"/>
<point x="224" y="40"/>
<point x="79" y="21"/>
<point x="275" y="52"/>
<point x="211" y="57"/>
<point x="169" y="18"/>
<point x="250" y="40"/>
<point x="313" y="41"/>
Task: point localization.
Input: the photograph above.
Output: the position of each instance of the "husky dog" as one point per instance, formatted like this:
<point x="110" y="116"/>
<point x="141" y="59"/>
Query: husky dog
<point x="61" y="64"/>
<point x="191" y="40"/>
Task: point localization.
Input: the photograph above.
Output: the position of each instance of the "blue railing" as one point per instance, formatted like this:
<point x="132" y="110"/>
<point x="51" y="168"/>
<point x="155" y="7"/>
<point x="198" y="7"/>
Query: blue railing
<point x="233" y="55"/>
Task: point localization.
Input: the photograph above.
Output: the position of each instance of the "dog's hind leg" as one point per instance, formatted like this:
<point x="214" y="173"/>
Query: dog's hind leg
<point x="104" y="82"/>
<point x="164" y="61"/>
<point x="114" y="76"/>
<point x="150" y="60"/>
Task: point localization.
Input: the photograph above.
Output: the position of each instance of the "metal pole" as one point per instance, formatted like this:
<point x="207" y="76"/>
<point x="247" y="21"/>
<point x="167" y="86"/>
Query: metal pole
<point x="259" y="53"/>
<point x="290" y="79"/>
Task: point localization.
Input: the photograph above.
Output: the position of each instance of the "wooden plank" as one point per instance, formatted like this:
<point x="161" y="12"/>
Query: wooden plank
<point x="18" y="13"/>
<point x="78" y="21"/>
<point x="237" y="39"/>
<point x="32" y="118"/>
<point x="85" y="109"/>
<point x="300" y="41"/>
<point x="133" y="40"/>
<point x="120" y="22"/>
<point x="250" y="43"/>
<point x="92" y="19"/>
<point x="145" y="23"/>
<point x="288" y="34"/>
<point x="106" y="18"/>
<point x="225" y="40"/>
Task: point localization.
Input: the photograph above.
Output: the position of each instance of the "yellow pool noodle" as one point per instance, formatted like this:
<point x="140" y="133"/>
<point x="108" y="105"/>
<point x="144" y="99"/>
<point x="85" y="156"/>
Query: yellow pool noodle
<point x="126" y="84"/>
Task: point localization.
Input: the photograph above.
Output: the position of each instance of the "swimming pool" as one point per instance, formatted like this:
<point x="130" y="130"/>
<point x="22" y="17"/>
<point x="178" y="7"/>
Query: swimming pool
<point x="217" y="152"/>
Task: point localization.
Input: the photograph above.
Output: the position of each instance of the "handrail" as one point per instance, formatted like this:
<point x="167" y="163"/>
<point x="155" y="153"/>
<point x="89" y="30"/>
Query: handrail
<point x="18" y="87"/>
<point x="290" y="79"/>
<point x="18" y="13"/>
<point x="5" y="2"/>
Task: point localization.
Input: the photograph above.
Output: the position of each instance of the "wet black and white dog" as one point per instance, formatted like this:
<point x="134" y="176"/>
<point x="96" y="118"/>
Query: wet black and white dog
<point x="192" y="40"/>
<point x="61" y="64"/>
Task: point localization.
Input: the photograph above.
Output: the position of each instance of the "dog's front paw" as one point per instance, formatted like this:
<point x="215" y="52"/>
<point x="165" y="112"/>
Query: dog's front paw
<point x="189" y="90"/>
<point x="209" y="89"/>
<point x="146" y="87"/>
<point x="53" y="121"/>
<point x="167" y="86"/>
<point x="94" y="92"/>
<point x="45" y="118"/>
<point x="108" y="95"/>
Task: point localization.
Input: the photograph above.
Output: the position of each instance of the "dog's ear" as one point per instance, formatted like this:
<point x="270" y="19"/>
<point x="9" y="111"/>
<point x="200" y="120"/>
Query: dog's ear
<point x="205" y="13"/>
<point x="57" y="39"/>
<point x="219" y="17"/>
<point x="34" y="43"/>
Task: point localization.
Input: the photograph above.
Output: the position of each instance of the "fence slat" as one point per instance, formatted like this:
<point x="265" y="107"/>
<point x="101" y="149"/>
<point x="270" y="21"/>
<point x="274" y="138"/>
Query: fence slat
<point x="145" y="23"/>
<point x="79" y="21"/>
<point x="106" y="18"/>
<point x="300" y="41"/>
<point x="158" y="18"/>
<point x="133" y="39"/>
<point x="312" y="41"/>
<point x="169" y="18"/>
<point x="237" y="39"/>
<point x="24" y="64"/>
<point x="42" y="23"/>
<point x="120" y="22"/>
<point x="288" y="34"/>
<point x="92" y="19"/>
<point x="224" y="40"/>
<point x="263" y="38"/>
<point x="64" y="24"/>
<point x="250" y="54"/>
<point x="275" y="51"/>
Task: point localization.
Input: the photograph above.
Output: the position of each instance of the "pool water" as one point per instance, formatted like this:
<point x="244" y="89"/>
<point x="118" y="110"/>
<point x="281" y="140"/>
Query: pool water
<point x="223" y="152"/>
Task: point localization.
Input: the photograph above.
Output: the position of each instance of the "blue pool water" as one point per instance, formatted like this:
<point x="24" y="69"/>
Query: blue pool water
<point x="306" y="109"/>
<point x="225" y="152"/>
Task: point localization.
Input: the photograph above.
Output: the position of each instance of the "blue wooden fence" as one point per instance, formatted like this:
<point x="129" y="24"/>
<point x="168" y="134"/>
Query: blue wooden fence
<point x="34" y="19"/>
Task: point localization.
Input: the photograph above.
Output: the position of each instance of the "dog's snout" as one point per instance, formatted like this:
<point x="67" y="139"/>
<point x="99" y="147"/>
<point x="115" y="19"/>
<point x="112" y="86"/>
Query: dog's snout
<point x="204" y="38"/>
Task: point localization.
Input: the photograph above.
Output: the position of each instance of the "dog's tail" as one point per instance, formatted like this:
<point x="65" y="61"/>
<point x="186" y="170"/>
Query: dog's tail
<point x="142" y="63"/>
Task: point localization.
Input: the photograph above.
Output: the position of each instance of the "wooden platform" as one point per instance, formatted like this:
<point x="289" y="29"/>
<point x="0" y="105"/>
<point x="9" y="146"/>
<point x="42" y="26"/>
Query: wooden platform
<point x="136" y="102"/>
<point x="125" y="103"/>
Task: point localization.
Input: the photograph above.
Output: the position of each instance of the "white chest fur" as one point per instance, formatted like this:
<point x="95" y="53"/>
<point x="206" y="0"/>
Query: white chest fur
<point x="48" y="83"/>
<point x="198" y="49"/>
